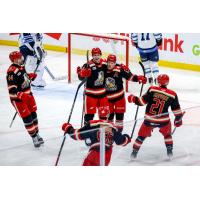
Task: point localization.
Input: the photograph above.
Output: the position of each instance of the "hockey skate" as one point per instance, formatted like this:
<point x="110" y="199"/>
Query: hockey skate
<point x="169" y="153"/>
<point x="40" y="139"/>
<point x="134" y="154"/>
<point x="36" y="142"/>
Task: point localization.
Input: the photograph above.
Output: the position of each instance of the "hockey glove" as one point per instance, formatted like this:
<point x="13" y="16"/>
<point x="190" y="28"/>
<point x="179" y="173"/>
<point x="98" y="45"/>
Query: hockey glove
<point x="131" y="98"/>
<point x="67" y="128"/>
<point x="127" y="141"/>
<point x="32" y="76"/>
<point x="124" y="67"/>
<point x="85" y="72"/>
<point x="142" y="79"/>
<point x="178" y="122"/>
<point x="23" y="96"/>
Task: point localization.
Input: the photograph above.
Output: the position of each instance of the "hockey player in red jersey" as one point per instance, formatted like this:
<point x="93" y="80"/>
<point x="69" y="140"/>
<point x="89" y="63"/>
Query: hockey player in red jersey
<point x="91" y="130"/>
<point x="158" y="99"/>
<point x="115" y="89"/>
<point x="95" y="92"/>
<point x="21" y="96"/>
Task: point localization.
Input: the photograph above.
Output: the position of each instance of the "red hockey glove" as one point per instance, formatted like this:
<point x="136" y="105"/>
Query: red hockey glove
<point x="66" y="127"/>
<point x="78" y="70"/>
<point x="23" y="96"/>
<point x="142" y="79"/>
<point x="85" y="72"/>
<point x="124" y="67"/>
<point x="32" y="76"/>
<point x="131" y="98"/>
<point x="178" y="122"/>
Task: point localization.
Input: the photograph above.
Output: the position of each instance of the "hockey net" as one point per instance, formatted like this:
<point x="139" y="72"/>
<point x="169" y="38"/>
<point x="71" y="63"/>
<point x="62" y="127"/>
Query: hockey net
<point x="79" y="43"/>
<point x="63" y="67"/>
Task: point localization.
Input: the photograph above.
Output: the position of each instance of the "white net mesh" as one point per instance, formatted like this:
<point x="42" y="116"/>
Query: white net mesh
<point x="81" y="43"/>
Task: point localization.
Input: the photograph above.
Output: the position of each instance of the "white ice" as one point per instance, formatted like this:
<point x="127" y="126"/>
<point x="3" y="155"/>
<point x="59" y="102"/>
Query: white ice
<point x="54" y="104"/>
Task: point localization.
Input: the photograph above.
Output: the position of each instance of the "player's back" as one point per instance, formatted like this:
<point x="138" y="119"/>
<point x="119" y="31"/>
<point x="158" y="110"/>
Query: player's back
<point x="159" y="101"/>
<point x="146" y="42"/>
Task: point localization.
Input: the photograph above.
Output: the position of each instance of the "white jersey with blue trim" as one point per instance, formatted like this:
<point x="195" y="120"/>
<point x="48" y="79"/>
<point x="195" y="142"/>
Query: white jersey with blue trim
<point x="146" y="42"/>
<point x="29" y="38"/>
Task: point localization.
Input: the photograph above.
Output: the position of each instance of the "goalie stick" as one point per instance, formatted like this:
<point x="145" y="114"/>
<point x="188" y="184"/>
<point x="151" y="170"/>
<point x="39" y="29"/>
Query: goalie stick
<point x="63" y="142"/>
<point x="53" y="77"/>
<point x="138" y="106"/>
<point x="13" y="119"/>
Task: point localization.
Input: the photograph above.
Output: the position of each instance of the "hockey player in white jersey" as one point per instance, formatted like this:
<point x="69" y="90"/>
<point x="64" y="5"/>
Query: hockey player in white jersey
<point x="147" y="45"/>
<point x="31" y="47"/>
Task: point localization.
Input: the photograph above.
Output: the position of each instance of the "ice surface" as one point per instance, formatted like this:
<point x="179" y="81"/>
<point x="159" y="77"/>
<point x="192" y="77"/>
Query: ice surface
<point x="54" y="104"/>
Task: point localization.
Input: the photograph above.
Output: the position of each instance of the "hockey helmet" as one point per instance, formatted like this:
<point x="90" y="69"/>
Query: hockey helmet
<point x="96" y="51"/>
<point x="163" y="80"/>
<point x="111" y="58"/>
<point x="15" y="55"/>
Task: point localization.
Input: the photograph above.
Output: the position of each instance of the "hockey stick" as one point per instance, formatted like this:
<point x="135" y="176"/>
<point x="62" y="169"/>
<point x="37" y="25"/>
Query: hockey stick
<point x="175" y="126"/>
<point x="13" y="119"/>
<point x="53" y="77"/>
<point x="138" y="106"/>
<point x="63" y="142"/>
<point x="83" y="110"/>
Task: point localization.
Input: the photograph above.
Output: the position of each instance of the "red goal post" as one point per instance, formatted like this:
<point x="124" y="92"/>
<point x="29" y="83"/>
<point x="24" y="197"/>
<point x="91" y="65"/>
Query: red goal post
<point x="106" y="37"/>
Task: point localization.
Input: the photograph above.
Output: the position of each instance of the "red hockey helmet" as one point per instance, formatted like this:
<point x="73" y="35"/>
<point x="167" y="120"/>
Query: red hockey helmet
<point x="96" y="51"/>
<point x="163" y="79"/>
<point x="15" y="55"/>
<point x="111" y="58"/>
<point x="104" y="112"/>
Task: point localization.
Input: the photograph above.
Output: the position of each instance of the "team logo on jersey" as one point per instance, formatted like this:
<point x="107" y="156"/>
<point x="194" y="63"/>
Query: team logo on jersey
<point x="26" y="82"/>
<point x="108" y="136"/>
<point x="110" y="84"/>
<point x="100" y="79"/>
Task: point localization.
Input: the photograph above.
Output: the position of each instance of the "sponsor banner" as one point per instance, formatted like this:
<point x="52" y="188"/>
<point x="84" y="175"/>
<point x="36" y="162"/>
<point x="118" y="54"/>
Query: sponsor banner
<point x="176" y="47"/>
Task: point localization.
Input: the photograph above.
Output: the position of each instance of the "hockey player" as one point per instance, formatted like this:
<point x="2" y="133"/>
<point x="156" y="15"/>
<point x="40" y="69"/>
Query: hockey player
<point x="147" y="45"/>
<point x="115" y="89"/>
<point x="95" y="92"/>
<point x="31" y="47"/>
<point x="21" y="96"/>
<point x="92" y="130"/>
<point x="158" y="99"/>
